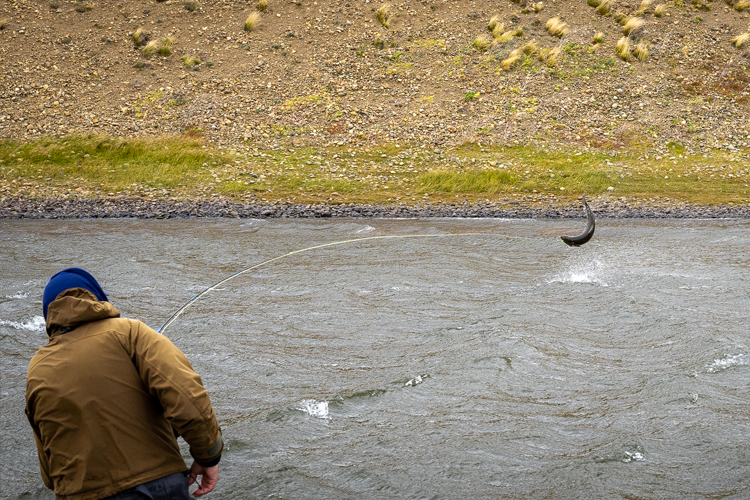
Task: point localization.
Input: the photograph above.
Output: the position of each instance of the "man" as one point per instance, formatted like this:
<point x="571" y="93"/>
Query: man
<point x="106" y="398"/>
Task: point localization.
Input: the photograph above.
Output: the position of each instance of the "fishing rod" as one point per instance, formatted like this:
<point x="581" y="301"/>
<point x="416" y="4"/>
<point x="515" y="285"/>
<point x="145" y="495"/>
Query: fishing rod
<point x="256" y="266"/>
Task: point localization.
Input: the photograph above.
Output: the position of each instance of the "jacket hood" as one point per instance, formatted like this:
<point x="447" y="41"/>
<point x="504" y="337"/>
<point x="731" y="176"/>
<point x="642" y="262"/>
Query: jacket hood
<point x="76" y="306"/>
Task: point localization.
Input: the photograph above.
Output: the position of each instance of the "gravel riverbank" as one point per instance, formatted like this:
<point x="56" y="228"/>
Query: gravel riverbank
<point x="122" y="207"/>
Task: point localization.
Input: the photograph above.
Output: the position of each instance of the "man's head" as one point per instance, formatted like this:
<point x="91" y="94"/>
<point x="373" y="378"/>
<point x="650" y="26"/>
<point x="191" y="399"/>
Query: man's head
<point x="67" y="279"/>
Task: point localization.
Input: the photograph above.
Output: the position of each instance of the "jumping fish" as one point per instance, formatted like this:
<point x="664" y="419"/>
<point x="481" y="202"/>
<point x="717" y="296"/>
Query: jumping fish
<point x="577" y="241"/>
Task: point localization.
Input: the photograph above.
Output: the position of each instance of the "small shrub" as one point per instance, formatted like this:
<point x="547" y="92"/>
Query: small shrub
<point x="383" y="14"/>
<point x="165" y="48"/>
<point x="378" y="43"/>
<point x="502" y="36"/>
<point x="740" y="40"/>
<point x="643" y="8"/>
<point x="261" y="6"/>
<point x="556" y="27"/>
<point x="511" y="60"/>
<point x="190" y="61"/>
<point x="481" y="43"/>
<point x="494" y="23"/>
<point x="660" y="10"/>
<point x="599" y="38"/>
<point x="701" y="4"/>
<point x="641" y="51"/>
<point x="518" y="32"/>
<point x="252" y="21"/>
<point x="623" y="48"/>
<point x="605" y="7"/>
<point x="471" y="95"/>
<point x="139" y="37"/>
<point x="631" y="25"/>
<point x="191" y="6"/>
<point x="530" y="48"/>
<point x="742" y="5"/>
<point x="150" y="48"/>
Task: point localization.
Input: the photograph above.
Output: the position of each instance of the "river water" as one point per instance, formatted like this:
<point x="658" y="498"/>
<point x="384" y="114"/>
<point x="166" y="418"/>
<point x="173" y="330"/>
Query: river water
<point x="495" y="365"/>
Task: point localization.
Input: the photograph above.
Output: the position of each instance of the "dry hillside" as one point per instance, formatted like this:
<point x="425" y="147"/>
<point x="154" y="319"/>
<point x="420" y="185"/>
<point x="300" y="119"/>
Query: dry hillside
<point x="433" y="71"/>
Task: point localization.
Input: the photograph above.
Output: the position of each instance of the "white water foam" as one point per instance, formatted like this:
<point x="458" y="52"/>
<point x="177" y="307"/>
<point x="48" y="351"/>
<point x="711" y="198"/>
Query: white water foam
<point x="632" y="456"/>
<point x="728" y="361"/>
<point x="17" y="296"/>
<point x="366" y="229"/>
<point x="592" y="272"/>
<point x="317" y="409"/>
<point x="36" y="324"/>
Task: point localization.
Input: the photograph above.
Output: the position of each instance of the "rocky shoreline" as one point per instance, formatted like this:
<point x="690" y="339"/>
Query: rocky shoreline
<point x="129" y="208"/>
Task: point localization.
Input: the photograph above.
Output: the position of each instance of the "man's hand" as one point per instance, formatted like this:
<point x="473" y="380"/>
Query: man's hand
<point x="209" y="477"/>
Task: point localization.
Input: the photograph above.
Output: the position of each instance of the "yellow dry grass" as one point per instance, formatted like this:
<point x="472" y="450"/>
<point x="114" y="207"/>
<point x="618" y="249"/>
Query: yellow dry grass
<point x="660" y="10"/>
<point x="252" y="21"/>
<point x="641" y="51"/>
<point x="604" y="8"/>
<point x="530" y="48"/>
<point x="495" y="23"/>
<point x="623" y="48"/>
<point x="740" y="40"/>
<point x="556" y="27"/>
<point x="632" y="24"/>
<point x="261" y="6"/>
<point x="643" y="8"/>
<point x="482" y="43"/>
<point x="599" y="38"/>
<point x="383" y="14"/>
<point x="511" y="60"/>
<point x="150" y="48"/>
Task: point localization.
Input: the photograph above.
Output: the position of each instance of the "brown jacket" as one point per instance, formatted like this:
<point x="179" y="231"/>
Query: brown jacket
<point x="104" y="398"/>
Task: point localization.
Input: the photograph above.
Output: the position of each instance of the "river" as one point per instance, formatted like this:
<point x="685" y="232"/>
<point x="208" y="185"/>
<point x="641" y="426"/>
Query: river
<point x="500" y="364"/>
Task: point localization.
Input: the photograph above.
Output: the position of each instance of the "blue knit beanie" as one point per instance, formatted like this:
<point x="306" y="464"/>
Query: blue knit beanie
<point x="66" y="279"/>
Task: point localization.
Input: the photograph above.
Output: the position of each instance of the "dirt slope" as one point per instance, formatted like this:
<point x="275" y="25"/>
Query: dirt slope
<point x="322" y="72"/>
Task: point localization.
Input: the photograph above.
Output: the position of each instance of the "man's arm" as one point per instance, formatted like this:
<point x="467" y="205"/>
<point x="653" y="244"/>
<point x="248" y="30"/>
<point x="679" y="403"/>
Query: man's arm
<point x="43" y="458"/>
<point x="169" y="377"/>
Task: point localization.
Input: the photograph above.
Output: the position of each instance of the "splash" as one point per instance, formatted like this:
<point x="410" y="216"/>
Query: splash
<point x="592" y="272"/>
<point x="317" y="409"/>
<point x="17" y="296"/>
<point x="36" y="324"/>
<point x="728" y="361"/>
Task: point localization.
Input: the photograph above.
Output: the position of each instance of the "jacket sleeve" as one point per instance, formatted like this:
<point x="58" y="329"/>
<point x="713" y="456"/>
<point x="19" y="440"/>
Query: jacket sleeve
<point x="43" y="458"/>
<point x="169" y="377"/>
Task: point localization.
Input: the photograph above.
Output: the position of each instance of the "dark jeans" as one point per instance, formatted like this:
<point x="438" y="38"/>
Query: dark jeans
<point x="172" y="487"/>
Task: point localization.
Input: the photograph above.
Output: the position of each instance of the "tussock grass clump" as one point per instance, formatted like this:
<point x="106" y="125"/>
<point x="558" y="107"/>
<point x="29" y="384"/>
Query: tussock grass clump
<point x="150" y="48"/>
<point x="631" y="25"/>
<point x="494" y="23"/>
<point x="599" y="38"/>
<point x="702" y="5"/>
<point x="191" y="6"/>
<point x="139" y="37"/>
<point x="742" y="5"/>
<point x="594" y="3"/>
<point x="511" y="60"/>
<point x="605" y="7"/>
<point x="538" y="7"/>
<point x="643" y="8"/>
<point x="660" y="10"/>
<point x="383" y="14"/>
<point x="518" y="32"/>
<point x="190" y="61"/>
<point x="502" y="36"/>
<point x="623" y="48"/>
<point x="252" y="21"/>
<point x="556" y="27"/>
<point x="740" y="40"/>
<point x="550" y="58"/>
<point x="379" y="43"/>
<point x="641" y="51"/>
<point x="620" y="18"/>
<point x="261" y="6"/>
<point x="165" y="47"/>
<point x="530" y="48"/>
<point x="482" y="43"/>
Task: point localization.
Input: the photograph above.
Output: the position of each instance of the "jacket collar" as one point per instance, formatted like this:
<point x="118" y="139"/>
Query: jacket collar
<point x="74" y="307"/>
